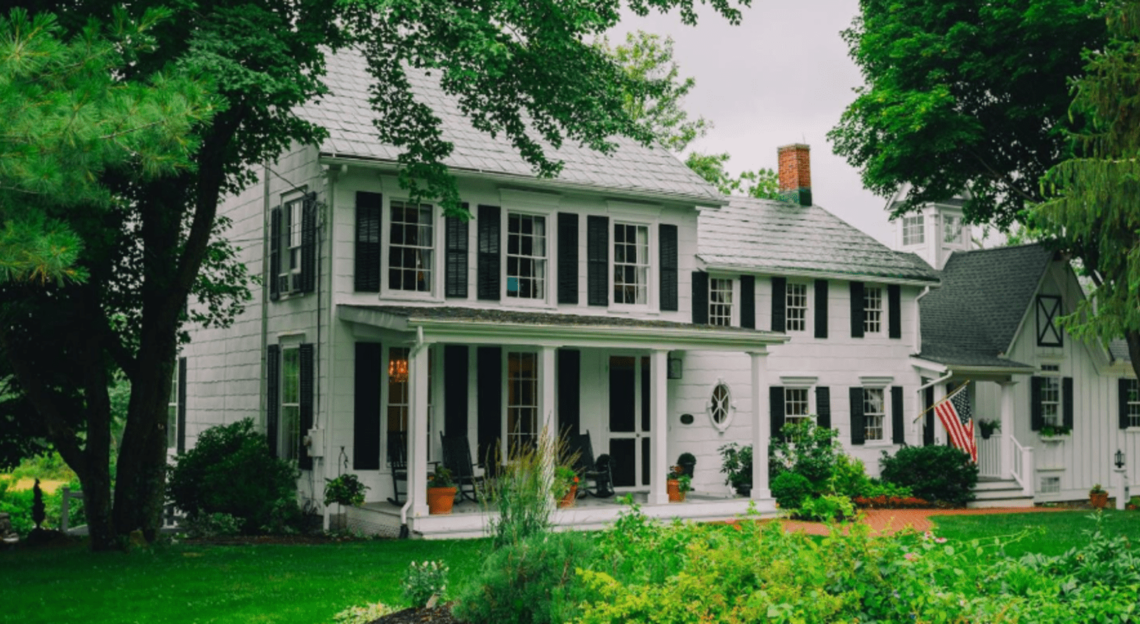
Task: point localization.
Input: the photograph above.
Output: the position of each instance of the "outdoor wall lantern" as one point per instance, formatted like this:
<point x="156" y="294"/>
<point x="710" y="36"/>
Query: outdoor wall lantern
<point x="1119" y="459"/>
<point x="676" y="368"/>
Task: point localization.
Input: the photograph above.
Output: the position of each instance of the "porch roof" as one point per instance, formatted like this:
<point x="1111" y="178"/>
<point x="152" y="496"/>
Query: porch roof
<point x="504" y="327"/>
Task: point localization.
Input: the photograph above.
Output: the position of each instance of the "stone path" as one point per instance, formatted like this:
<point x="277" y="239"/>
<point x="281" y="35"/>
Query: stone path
<point x="891" y="520"/>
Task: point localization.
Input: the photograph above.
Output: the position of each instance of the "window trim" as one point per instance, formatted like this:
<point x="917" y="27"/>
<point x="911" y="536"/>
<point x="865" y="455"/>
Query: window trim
<point x="505" y="388"/>
<point x="651" y="266"/>
<point x="961" y="225"/>
<point x="439" y="241"/>
<point x="283" y="434"/>
<point x="879" y="330"/>
<point x="549" y="258"/>
<point x="285" y="270"/>
<point x="910" y="224"/>
<point x="1052" y="376"/>
<point x="730" y="406"/>
<point x="172" y="411"/>
<point x="807" y="307"/>
<point x="733" y="303"/>
<point x="885" y="438"/>
<point x="1134" y="406"/>
<point x="809" y="404"/>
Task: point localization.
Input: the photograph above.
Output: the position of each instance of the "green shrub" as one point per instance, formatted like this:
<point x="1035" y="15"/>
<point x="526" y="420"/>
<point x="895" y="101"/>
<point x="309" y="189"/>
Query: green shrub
<point x="530" y="582"/>
<point x="940" y="474"/>
<point x="521" y="493"/>
<point x="827" y="508"/>
<point x="424" y="580"/>
<point x="790" y="489"/>
<point x="209" y="525"/>
<point x="18" y="505"/>
<point x="736" y="465"/>
<point x="230" y="470"/>
<point x="876" y="488"/>
<point x="809" y="451"/>
<point x="849" y="477"/>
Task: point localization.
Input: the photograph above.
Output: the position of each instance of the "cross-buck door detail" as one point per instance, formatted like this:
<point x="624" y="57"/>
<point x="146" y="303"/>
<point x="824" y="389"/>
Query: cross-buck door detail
<point x="1048" y="312"/>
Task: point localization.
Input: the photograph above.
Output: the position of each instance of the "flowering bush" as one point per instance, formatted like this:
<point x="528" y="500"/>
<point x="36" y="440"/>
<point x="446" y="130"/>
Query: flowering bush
<point x="424" y="580"/>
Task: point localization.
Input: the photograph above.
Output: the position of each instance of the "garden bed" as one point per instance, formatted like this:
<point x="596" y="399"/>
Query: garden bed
<point x="438" y="615"/>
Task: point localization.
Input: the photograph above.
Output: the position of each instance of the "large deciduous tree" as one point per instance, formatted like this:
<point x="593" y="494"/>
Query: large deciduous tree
<point x="520" y="68"/>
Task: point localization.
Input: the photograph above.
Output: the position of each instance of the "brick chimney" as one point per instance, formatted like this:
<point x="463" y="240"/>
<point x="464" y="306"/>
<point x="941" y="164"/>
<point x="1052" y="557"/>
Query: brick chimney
<point x="795" y="173"/>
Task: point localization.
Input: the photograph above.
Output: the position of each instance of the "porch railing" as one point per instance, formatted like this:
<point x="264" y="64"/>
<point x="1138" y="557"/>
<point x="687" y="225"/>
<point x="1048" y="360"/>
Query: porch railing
<point x="1023" y="469"/>
<point x="171" y="516"/>
<point x="989" y="456"/>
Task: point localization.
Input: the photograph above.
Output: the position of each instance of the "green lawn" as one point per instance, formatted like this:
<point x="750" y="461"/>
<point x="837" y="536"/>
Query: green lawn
<point x="1048" y="533"/>
<point x="195" y="584"/>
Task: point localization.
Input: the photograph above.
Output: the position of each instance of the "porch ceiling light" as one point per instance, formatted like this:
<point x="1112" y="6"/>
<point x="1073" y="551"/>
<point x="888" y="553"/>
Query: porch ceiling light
<point x="398" y="370"/>
<point x="676" y="368"/>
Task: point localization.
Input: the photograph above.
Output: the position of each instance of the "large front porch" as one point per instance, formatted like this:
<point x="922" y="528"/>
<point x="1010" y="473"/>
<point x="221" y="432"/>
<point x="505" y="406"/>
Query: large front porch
<point x="507" y="378"/>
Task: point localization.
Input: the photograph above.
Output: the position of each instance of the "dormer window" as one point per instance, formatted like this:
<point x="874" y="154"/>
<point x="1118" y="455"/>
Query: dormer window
<point x="913" y="230"/>
<point x="951" y="229"/>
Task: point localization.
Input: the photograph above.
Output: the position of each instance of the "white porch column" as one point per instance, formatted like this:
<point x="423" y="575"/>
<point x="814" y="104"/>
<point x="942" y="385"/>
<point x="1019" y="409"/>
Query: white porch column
<point x="760" y="427"/>
<point x="939" y="430"/>
<point x="547" y="413"/>
<point x="417" y="429"/>
<point x="659" y="429"/>
<point x="1007" y="429"/>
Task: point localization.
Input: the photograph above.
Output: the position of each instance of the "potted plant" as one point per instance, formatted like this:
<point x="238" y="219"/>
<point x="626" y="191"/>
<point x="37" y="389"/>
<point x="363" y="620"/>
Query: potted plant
<point x="565" y="486"/>
<point x="737" y="467"/>
<point x="346" y="491"/>
<point x="440" y="491"/>
<point x="1055" y="431"/>
<point x="1098" y="498"/>
<point x="687" y="462"/>
<point x="988" y="427"/>
<point x="678" y="484"/>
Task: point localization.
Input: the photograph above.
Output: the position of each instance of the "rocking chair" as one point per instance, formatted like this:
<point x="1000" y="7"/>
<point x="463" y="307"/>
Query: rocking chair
<point x="590" y="470"/>
<point x="457" y="459"/>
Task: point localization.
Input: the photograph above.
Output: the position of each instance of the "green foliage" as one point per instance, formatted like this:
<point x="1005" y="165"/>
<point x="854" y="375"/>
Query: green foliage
<point x="827" y="508"/>
<point x="970" y="96"/>
<point x="19" y="506"/>
<point x="876" y="488"/>
<point x="635" y="548"/>
<point x="564" y="479"/>
<point x="521" y="493"/>
<point x="1055" y="430"/>
<point x="686" y="458"/>
<point x="736" y="464"/>
<point x="364" y="614"/>
<point x="791" y="489"/>
<point x="941" y="474"/>
<point x="807" y="450"/>
<point x="762" y="183"/>
<point x="345" y="490"/>
<point x="209" y="525"/>
<point x="424" y="580"/>
<point x="532" y="581"/>
<point x="849" y="477"/>
<point x="45" y="466"/>
<point x="230" y="470"/>
<point x="440" y="477"/>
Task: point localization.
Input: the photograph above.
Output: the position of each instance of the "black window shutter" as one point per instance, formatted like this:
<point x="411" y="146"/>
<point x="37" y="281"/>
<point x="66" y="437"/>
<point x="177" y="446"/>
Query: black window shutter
<point x="568" y="258"/>
<point x="366" y="408"/>
<point x="308" y="277"/>
<point x="597" y="260"/>
<point x="894" y="311"/>
<point x="779" y="304"/>
<point x="748" y="301"/>
<point x="455" y="390"/>
<point x="857" y="309"/>
<point x="181" y="405"/>
<point x="858" y="427"/>
<point x="490" y="380"/>
<point x="369" y="213"/>
<point x="1123" y="388"/>
<point x="700" y="298"/>
<point x="455" y="277"/>
<point x="821" y="308"/>
<point x="272" y="395"/>
<point x="274" y="253"/>
<point x="776" y="417"/>
<point x="1067" y="402"/>
<point x="1036" y="418"/>
<point x="308" y="379"/>
<point x="823" y="407"/>
<point x="569" y="391"/>
<point x="490" y="243"/>
<point x="670" y="294"/>
<point x="898" y="427"/>
<point x="928" y="423"/>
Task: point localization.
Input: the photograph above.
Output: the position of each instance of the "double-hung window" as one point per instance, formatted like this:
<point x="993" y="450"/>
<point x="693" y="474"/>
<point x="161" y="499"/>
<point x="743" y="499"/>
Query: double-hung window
<point x="291" y="249"/>
<point x="526" y="256"/>
<point x="1051" y="395"/>
<point x="1133" y="403"/>
<point x="874" y="413"/>
<point x="873" y="310"/>
<point x="411" y="247"/>
<point x="522" y="399"/>
<point x="720" y="302"/>
<point x="951" y="229"/>
<point x="289" y="444"/>
<point x="631" y="264"/>
<point x="913" y="233"/>
<point x="796" y="306"/>
<point x="796" y="407"/>
<point x="172" y="413"/>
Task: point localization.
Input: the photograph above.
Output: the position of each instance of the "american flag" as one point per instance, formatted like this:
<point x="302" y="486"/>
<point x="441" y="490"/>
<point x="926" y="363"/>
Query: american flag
<point x="954" y="412"/>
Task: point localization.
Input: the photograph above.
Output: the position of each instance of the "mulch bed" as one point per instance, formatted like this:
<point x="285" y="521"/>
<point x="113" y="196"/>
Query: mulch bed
<point x="438" y="615"/>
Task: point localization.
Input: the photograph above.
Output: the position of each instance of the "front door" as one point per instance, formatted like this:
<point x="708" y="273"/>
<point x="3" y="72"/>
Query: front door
<point x="629" y="421"/>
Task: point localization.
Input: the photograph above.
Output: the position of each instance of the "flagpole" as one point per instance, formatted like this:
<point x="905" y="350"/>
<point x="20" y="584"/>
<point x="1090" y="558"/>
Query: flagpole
<point x="943" y="400"/>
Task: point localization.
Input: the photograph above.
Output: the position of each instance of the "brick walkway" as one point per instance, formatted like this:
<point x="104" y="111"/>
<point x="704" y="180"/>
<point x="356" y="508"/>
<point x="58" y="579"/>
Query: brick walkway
<point x="891" y="520"/>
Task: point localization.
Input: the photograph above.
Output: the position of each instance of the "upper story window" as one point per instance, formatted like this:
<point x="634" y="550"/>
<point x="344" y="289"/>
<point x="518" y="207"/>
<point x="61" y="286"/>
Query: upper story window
<point x="1048" y="314"/>
<point x="796" y="408"/>
<point x="913" y="230"/>
<point x="411" y="247"/>
<point x="292" y="245"/>
<point x="631" y="264"/>
<point x="720" y="302"/>
<point x="1051" y="401"/>
<point x="796" y="298"/>
<point x="873" y="310"/>
<point x="1133" y="400"/>
<point x="289" y="442"/>
<point x="951" y="229"/>
<point x="874" y="413"/>
<point x="172" y="413"/>
<point x="526" y="256"/>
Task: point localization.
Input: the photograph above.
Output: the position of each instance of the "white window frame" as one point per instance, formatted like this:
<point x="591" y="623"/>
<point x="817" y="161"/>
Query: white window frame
<point x="1134" y="404"/>
<point x="289" y="426"/>
<point x="172" y="412"/>
<point x="882" y="416"/>
<point x="725" y="405"/>
<point x="1051" y="383"/>
<point x="789" y="299"/>
<point x="952" y="222"/>
<point x="650" y="264"/>
<point x="808" y="413"/>
<point x="544" y="275"/>
<point x="289" y="242"/>
<point x="406" y="405"/>
<point x="873" y="316"/>
<point x="434" y="291"/>
<point x="914" y="229"/>
<point x="719" y="287"/>
<point x="508" y="436"/>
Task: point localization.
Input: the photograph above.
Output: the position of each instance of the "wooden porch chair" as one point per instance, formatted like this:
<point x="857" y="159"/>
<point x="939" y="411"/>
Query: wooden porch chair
<point x="590" y="470"/>
<point x="457" y="459"/>
<point x="398" y="463"/>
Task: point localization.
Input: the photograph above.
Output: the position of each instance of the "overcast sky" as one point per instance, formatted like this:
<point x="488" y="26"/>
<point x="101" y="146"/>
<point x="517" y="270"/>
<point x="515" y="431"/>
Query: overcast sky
<point x="782" y="76"/>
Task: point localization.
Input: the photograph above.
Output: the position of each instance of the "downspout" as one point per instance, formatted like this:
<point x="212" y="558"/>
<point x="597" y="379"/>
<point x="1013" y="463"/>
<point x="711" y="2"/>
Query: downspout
<point x="263" y="381"/>
<point x="416" y="348"/>
<point x="918" y="319"/>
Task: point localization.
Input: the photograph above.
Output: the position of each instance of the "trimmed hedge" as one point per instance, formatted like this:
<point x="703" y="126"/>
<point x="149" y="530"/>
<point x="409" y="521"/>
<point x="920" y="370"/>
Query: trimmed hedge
<point x="940" y="474"/>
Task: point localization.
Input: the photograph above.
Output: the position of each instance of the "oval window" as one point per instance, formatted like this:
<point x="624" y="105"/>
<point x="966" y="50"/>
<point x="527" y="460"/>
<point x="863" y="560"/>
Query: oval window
<point x="720" y="406"/>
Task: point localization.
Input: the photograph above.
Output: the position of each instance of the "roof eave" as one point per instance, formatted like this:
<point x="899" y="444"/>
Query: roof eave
<point x="933" y="282"/>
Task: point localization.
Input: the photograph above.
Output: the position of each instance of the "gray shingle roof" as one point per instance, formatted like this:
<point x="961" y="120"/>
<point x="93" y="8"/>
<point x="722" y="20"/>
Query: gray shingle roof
<point x="766" y="235"/>
<point x="972" y="319"/>
<point x="1119" y="350"/>
<point x="347" y="116"/>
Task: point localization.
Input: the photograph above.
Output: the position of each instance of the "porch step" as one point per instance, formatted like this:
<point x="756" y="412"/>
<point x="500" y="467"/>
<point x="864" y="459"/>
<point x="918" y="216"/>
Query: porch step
<point x="999" y="493"/>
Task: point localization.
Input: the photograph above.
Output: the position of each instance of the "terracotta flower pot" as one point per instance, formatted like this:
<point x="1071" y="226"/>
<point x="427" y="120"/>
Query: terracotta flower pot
<point x="570" y="498"/>
<point x="440" y="500"/>
<point x="1099" y="500"/>
<point x="674" y="488"/>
